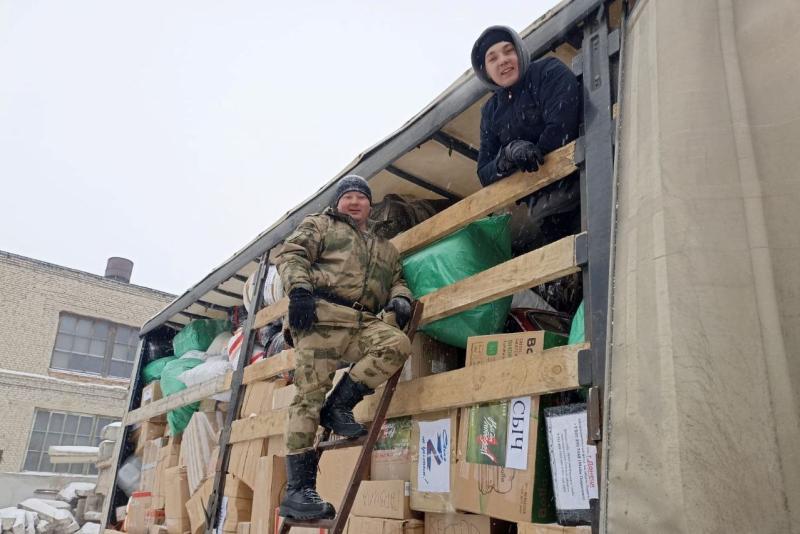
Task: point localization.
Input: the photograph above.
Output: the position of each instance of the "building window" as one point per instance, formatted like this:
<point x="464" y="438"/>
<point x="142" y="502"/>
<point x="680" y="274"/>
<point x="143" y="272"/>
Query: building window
<point x="94" y="346"/>
<point x="60" y="428"/>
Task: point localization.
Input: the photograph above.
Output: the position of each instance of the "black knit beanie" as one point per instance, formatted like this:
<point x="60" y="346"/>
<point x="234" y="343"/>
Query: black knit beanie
<point x="352" y="182"/>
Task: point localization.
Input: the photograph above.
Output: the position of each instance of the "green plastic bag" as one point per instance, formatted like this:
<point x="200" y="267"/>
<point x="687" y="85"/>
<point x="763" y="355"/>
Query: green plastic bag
<point x="179" y="418"/>
<point x="198" y="335"/>
<point x="576" y="330"/>
<point x="475" y="248"/>
<point x="152" y="371"/>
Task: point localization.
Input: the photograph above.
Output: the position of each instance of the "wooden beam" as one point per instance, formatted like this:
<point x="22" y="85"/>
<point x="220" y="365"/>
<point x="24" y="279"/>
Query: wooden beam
<point x="271" y="313"/>
<point x="187" y="396"/>
<point x="558" y="164"/>
<point x="272" y="366"/>
<point x="533" y="268"/>
<point x="551" y="371"/>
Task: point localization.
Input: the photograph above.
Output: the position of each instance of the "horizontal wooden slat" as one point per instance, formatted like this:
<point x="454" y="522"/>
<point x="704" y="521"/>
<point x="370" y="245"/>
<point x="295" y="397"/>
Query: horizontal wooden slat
<point x="187" y="396"/>
<point x="533" y="268"/>
<point x="272" y="366"/>
<point x="272" y="312"/>
<point x="551" y="371"/>
<point x="558" y="164"/>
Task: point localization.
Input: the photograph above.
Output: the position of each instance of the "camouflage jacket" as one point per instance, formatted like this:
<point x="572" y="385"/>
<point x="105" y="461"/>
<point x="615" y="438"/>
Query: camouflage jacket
<point x="328" y="253"/>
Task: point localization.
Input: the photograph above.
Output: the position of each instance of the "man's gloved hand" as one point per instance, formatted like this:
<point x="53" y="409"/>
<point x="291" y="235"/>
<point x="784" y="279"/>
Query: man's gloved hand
<point x="504" y="164"/>
<point x="524" y="155"/>
<point x="302" y="309"/>
<point x="401" y="307"/>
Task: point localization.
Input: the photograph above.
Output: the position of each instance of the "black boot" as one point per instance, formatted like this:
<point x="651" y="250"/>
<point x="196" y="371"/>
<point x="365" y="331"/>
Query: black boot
<point x="337" y="412"/>
<point x="302" y="500"/>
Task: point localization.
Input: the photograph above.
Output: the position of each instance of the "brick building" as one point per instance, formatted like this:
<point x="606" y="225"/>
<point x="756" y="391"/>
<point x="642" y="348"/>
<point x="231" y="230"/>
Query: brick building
<point x="67" y="344"/>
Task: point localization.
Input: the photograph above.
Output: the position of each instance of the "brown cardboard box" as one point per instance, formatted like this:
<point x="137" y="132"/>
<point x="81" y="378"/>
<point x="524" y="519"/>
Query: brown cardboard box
<point x="236" y="510"/>
<point x="196" y="507"/>
<point x="335" y="469"/>
<point x="473" y="524"/>
<point x="236" y="488"/>
<point x="243" y="528"/>
<point x="391" y="456"/>
<point x="372" y="525"/>
<point x="500" y="492"/>
<point x="428" y="357"/>
<point x="550" y="528"/>
<point x="388" y="499"/>
<point x="149" y="465"/>
<point x="167" y="457"/>
<point x="147" y="431"/>
<point x="277" y="445"/>
<point x="176" y="496"/>
<point x="138" y="505"/>
<point x="270" y="481"/>
<point x="157" y="529"/>
<point x="422" y="501"/>
<point x="482" y="349"/>
<point x="258" y="397"/>
<point x="244" y="458"/>
<point x="282" y="397"/>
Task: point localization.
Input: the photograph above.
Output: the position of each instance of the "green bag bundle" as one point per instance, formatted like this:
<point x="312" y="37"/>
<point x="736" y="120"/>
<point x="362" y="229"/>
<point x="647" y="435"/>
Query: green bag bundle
<point x="178" y="419"/>
<point x="576" y="330"/>
<point x="152" y="371"/>
<point x="475" y="248"/>
<point x="198" y="335"/>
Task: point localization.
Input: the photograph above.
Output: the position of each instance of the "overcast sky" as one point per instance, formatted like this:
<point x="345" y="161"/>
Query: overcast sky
<point x="173" y="132"/>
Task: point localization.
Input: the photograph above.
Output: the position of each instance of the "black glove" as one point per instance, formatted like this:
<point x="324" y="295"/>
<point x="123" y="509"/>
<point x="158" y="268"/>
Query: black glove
<point x="401" y="307"/>
<point x="302" y="309"/>
<point x="504" y="164"/>
<point x="523" y="154"/>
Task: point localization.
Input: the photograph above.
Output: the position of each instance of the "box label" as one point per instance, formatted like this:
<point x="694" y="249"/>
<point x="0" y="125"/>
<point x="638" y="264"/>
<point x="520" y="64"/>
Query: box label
<point x="574" y="463"/>
<point x="519" y="416"/>
<point x="433" y="473"/>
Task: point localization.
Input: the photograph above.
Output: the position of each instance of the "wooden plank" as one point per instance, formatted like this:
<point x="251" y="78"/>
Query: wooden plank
<point x="558" y="164"/>
<point x="533" y="268"/>
<point x="272" y="366"/>
<point x="272" y="312"/>
<point x="259" y="426"/>
<point x="551" y="371"/>
<point x="187" y="396"/>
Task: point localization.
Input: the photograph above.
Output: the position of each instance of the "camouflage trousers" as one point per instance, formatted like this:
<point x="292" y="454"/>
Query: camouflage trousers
<point x="376" y="348"/>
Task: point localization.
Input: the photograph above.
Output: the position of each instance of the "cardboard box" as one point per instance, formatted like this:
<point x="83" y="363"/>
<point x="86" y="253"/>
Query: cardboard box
<point x="157" y="529"/>
<point x="243" y="528"/>
<point x="149" y="465"/>
<point x="138" y="504"/>
<point x="483" y="349"/>
<point x="430" y="501"/>
<point x="335" y="469"/>
<point x="428" y="357"/>
<point x="176" y="496"/>
<point x="282" y="397"/>
<point x="258" y="397"/>
<point x="196" y="507"/>
<point x="270" y="482"/>
<point x="550" y="528"/>
<point x="276" y="445"/>
<point x="469" y="523"/>
<point x="244" y="458"/>
<point x="388" y="499"/>
<point x="235" y="510"/>
<point x="146" y="431"/>
<point x="167" y="457"/>
<point x="371" y="525"/>
<point x="391" y="456"/>
<point x="236" y="488"/>
<point x="501" y="492"/>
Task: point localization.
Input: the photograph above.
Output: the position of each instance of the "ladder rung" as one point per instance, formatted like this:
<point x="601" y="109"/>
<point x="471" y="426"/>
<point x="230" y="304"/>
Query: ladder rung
<point x="344" y="443"/>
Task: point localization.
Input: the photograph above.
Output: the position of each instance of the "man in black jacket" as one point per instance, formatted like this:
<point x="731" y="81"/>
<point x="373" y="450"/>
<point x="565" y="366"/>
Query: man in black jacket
<point x="534" y="110"/>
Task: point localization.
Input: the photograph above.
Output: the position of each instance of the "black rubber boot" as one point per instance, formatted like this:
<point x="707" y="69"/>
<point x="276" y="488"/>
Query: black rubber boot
<point x="302" y="500"/>
<point x="337" y="412"/>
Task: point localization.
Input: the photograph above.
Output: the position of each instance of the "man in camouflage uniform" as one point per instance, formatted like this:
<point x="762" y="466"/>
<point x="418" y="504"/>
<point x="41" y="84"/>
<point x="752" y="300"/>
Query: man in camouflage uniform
<point x="347" y="298"/>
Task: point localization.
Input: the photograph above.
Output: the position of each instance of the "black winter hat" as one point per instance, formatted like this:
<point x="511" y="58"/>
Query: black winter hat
<point x="352" y="182"/>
